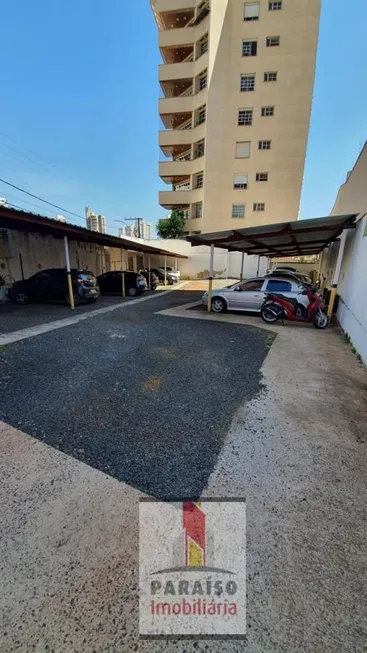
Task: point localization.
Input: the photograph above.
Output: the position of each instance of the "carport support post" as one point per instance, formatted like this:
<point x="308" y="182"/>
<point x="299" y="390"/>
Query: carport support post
<point x="165" y="270"/>
<point x="242" y="263"/>
<point x="122" y="270"/>
<point x="149" y="273"/>
<point x="211" y="269"/>
<point x="338" y="265"/>
<point x="68" y="272"/>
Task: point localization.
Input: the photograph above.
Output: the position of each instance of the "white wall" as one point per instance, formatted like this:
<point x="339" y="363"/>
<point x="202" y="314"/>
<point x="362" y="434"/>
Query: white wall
<point x="40" y="252"/>
<point x="352" y="286"/>
<point x="352" y="289"/>
<point x="226" y="264"/>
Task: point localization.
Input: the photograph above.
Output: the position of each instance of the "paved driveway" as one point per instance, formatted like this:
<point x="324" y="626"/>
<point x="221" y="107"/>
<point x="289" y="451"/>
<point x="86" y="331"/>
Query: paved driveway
<point x="131" y="393"/>
<point x="146" y="398"/>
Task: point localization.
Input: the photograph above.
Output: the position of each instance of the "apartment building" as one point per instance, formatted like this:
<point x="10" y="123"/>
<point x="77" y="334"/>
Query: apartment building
<point x="237" y="81"/>
<point x="139" y="229"/>
<point x="95" y="222"/>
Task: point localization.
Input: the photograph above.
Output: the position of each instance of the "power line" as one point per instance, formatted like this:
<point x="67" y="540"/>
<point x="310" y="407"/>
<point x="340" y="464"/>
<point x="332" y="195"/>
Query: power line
<point x="23" y="208"/>
<point x="34" y="154"/>
<point x="41" y="199"/>
<point x="15" y="206"/>
<point x="18" y="154"/>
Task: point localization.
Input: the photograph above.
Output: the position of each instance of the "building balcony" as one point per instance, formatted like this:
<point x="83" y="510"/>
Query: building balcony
<point x="170" y="6"/>
<point x="182" y="104"/>
<point x="175" y="105"/>
<point x="179" y="199"/>
<point x="170" y="169"/>
<point x="177" y="37"/>
<point x="176" y="71"/>
<point x="178" y="88"/>
<point x="183" y="36"/>
<point x="193" y="224"/>
<point x="171" y="139"/>
<point x="169" y="72"/>
<point x="178" y="54"/>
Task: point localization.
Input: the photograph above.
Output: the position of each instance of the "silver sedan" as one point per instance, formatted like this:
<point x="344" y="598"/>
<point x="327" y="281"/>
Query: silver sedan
<point x="249" y="295"/>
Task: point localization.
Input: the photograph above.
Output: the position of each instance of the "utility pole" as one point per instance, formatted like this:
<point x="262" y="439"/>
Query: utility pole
<point x="138" y="221"/>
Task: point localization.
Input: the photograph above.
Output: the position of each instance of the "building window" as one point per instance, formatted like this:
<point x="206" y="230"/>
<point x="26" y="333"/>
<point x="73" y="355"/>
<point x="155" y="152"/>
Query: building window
<point x="264" y="145"/>
<point x="198" y="210"/>
<point x="275" y="6"/>
<point x="200" y="116"/>
<point x="243" y="149"/>
<point x="258" y="206"/>
<point x="247" y="83"/>
<point x="199" y="180"/>
<point x="262" y="176"/>
<point x="202" y="83"/>
<point x="272" y="40"/>
<point x="238" y="210"/>
<point x="267" y="111"/>
<point x="252" y="11"/>
<point x="199" y="149"/>
<point x="245" y="117"/>
<point x="249" y="48"/>
<point x="186" y="214"/>
<point x="203" y="45"/>
<point x="270" y="77"/>
<point x="240" y="182"/>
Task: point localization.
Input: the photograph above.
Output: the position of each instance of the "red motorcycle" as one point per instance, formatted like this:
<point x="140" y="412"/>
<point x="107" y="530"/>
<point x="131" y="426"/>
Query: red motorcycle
<point x="279" y="307"/>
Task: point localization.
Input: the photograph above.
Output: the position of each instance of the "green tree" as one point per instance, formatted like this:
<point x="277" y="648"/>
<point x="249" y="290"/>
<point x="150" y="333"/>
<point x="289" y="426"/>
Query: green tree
<point x="172" y="227"/>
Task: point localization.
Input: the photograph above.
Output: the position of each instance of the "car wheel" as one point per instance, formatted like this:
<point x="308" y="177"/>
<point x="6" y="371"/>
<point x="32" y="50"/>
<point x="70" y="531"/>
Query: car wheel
<point x="132" y="292"/>
<point x="21" y="298"/>
<point x="218" y="305"/>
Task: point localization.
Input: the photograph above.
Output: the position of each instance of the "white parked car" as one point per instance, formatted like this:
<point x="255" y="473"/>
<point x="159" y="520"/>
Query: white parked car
<point x="172" y="271"/>
<point x="249" y="295"/>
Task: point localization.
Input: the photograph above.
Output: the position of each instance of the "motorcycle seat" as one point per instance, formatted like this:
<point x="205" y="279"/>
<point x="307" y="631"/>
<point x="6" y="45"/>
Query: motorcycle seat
<point x="291" y="300"/>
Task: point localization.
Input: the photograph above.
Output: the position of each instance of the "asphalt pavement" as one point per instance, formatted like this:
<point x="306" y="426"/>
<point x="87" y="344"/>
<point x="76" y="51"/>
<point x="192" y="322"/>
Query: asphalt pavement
<point x="14" y="317"/>
<point x="143" y="397"/>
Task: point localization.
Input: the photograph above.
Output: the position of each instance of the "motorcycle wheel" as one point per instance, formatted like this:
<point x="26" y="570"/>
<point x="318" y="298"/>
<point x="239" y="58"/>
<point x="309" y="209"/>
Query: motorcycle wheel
<point x="268" y="314"/>
<point x="320" y="320"/>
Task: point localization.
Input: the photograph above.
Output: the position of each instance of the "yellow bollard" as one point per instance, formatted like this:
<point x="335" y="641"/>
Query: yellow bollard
<point x="330" y="307"/>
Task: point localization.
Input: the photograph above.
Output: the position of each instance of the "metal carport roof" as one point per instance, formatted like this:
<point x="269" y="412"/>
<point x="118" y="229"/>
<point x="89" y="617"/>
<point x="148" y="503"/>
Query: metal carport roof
<point x="296" y="238"/>
<point x="25" y="221"/>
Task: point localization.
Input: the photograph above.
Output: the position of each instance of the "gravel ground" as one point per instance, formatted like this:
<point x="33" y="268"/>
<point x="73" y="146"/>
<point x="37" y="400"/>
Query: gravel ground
<point x="146" y="398"/>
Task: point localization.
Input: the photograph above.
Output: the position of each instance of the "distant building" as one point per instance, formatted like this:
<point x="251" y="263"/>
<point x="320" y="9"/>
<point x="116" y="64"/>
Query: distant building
<point x="139" y="229"/>
<point x="126" y="232"/>
<point x="95" y="222"/>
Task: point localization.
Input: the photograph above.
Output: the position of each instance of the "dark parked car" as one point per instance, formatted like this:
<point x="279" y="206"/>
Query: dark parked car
<point x="171" y="276"/>
<point x="154" y="281"/>
<point x="52" y="285"/>
<point x="110" y="283"/>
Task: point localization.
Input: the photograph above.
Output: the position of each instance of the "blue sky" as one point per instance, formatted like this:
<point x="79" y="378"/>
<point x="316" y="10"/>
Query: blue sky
<point x="78" y="116"/>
